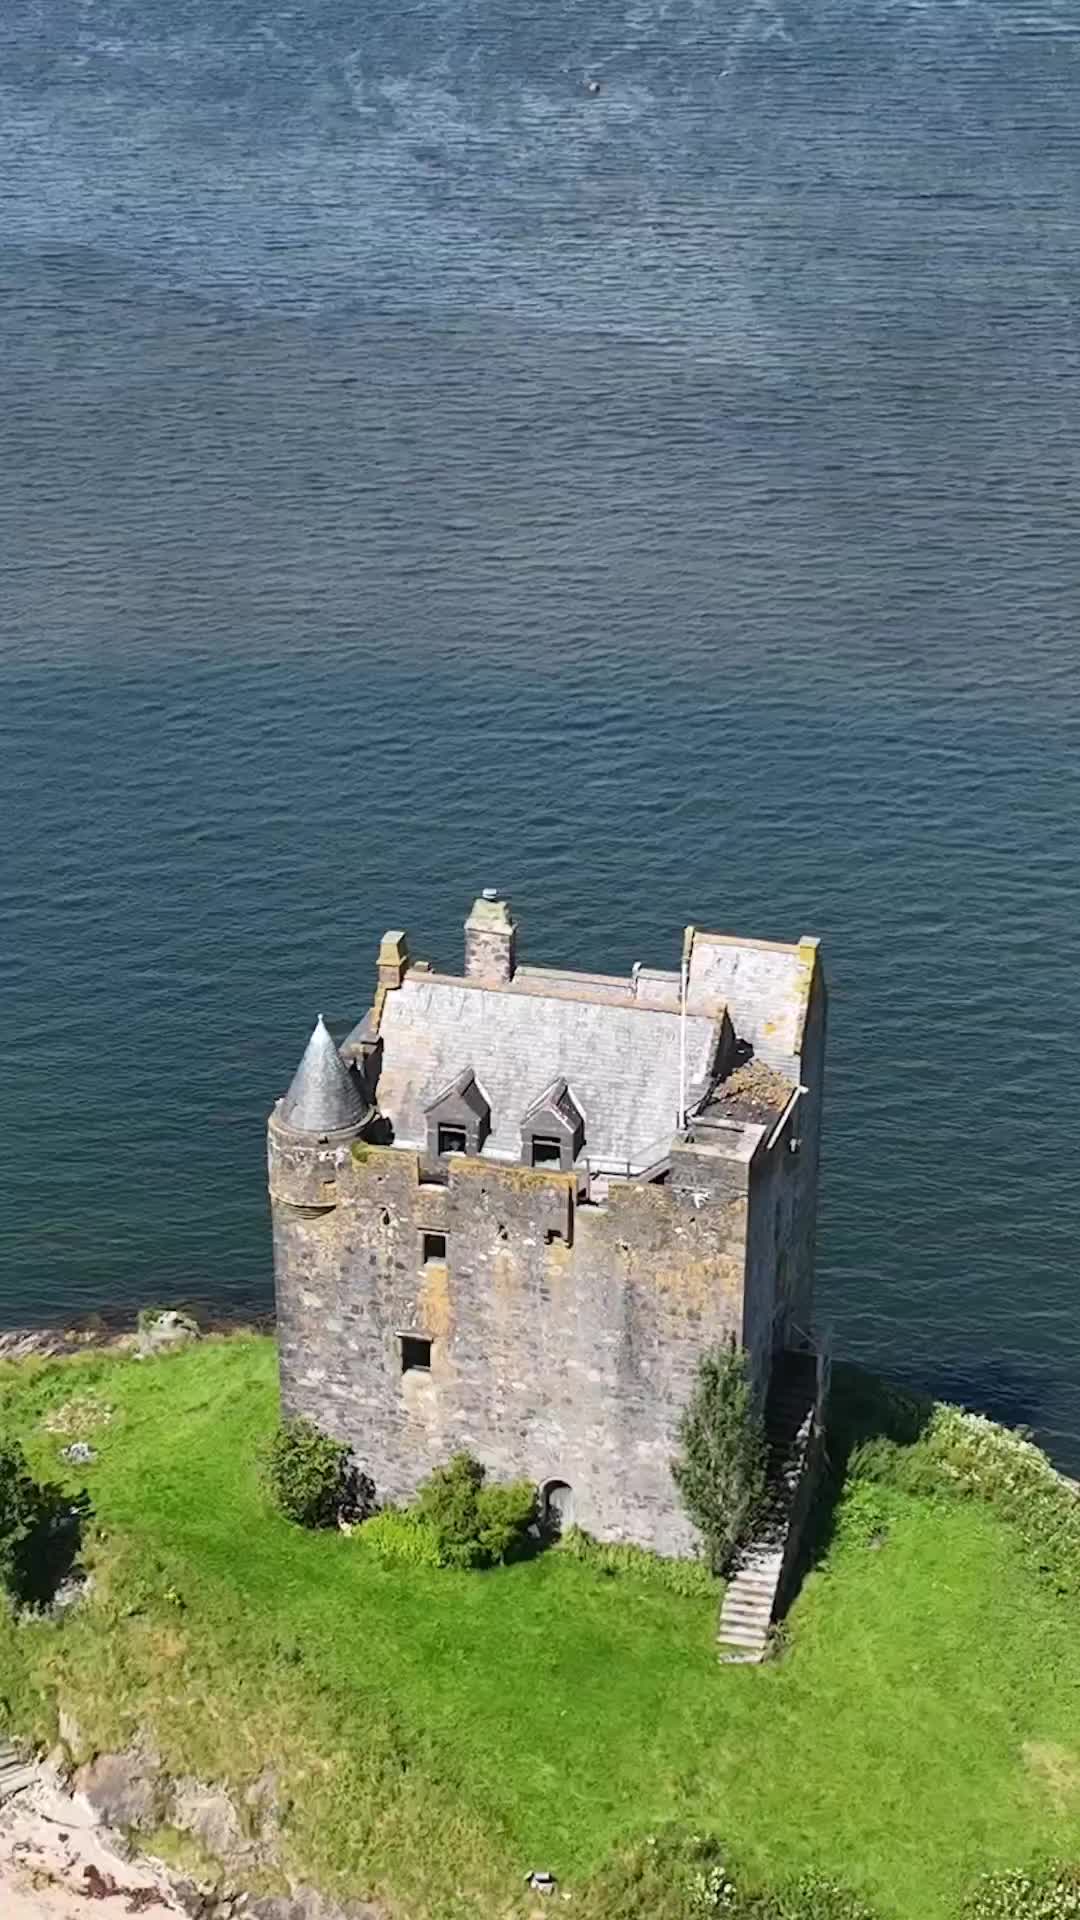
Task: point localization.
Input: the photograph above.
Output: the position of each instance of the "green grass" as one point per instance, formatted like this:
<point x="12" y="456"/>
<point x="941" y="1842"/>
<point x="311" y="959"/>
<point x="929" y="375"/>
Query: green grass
<point x="439" y="1733"/>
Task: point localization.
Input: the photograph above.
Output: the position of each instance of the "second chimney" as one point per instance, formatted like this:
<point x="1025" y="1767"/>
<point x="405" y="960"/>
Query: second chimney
<point x="490" y="940"/>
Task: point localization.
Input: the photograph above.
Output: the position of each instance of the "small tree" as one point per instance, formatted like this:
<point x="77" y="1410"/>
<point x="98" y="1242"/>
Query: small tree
<point x="720" y="1468"/>
<point x="311" y="1478"/>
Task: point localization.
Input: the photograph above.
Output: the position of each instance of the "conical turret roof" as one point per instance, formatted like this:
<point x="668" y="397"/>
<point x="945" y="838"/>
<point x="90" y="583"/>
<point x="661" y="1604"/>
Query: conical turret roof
<point x="324" y="1096"/>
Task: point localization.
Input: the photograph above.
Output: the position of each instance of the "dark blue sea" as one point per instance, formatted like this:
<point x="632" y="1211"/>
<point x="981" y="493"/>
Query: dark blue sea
<point x="418" y="471"/>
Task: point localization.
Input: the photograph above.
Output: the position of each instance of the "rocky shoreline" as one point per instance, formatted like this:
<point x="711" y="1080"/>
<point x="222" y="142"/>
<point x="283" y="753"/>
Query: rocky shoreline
<point x="120" y="1332"/>
<point x="69" y="1837"/>
<point x="56" y="1856"/>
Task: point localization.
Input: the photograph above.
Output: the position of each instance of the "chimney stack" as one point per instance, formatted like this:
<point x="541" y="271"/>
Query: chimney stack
<point x="490" y="940"/>
<point x="393" y="958"/>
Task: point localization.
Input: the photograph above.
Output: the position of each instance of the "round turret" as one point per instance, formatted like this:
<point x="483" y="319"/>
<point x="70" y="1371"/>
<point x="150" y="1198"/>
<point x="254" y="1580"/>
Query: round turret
<point x="312" y="1128"/>
<point x="324" y="1097"/>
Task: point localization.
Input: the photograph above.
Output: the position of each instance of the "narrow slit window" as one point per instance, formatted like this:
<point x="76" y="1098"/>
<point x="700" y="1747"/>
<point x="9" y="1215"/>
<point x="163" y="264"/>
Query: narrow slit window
<point x="452" y="1140"/>
<point x="546" y="1150"/>
<point x="415" y="1354"/>
<point x="434" y="1247"/>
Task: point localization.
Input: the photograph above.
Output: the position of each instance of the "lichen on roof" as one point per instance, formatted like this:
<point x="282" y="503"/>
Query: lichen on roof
<point x="755" y="1090"/>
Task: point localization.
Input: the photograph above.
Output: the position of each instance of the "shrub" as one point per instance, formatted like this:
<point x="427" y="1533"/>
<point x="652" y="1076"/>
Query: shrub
<point x="311" y="1478"/>
<point x="720" y="1469"/>
<point x="149" y="1317"/>
<point x="673" y="1875"/>
<point x="670" y="1875"/>
<point x="864" y="1513"/>
<point x="397" y="1534"/>
<point x="962" y="1455"/>
<point x="1051" y="1895"/>
<point x="690" y="1579"/>
<point x="474" y="1525"/>
<point x="447" y="1503"/>
<point x="506" y="1511"/>
<point x="815" y="1898"/>
<point x="712" y="1890"/>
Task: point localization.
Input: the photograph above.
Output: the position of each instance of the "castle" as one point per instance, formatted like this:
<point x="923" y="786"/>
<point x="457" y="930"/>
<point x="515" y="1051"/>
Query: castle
<point x="515" y="1206"/>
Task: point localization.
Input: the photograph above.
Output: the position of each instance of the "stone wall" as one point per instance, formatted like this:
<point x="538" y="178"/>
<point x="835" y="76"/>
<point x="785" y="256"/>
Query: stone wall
<point x="782" y="1230"/>
<point x="565" y="1336"/>
<point x="807" y="1123"/>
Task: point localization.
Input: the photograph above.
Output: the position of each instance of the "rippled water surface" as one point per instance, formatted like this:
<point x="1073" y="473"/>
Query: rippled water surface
<point x="416" y="471"/>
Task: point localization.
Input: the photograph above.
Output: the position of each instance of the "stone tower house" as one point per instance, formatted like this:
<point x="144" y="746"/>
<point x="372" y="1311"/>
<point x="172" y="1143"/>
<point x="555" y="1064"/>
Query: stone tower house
<point x="515" y="1206"/>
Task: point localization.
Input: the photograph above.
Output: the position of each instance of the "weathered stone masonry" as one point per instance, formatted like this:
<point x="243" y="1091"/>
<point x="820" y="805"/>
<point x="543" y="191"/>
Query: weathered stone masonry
<point x="548" y="1317"/>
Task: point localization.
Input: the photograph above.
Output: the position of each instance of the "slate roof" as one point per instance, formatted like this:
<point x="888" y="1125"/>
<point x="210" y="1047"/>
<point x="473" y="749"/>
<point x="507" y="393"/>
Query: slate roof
<point x="620" y="1061"/>
<point x="324" y="1095"/>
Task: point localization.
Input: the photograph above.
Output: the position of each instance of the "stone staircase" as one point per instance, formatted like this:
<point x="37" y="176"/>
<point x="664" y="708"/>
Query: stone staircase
<point x="15" y="1775"/>
<point x="751" y="1594"/>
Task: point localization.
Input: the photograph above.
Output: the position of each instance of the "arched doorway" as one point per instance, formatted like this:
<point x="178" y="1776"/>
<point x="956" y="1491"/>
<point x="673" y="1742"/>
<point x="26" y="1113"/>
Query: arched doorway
<point x="557" y="1505"/>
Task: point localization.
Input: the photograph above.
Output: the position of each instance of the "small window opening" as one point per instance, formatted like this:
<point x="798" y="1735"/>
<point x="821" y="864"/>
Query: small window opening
<point x="434" y="1247"/>
<point x="415" y="1354"/>
<point x="546" y="1150"/>
<point x="385" y="1216"/>
<point x="452" y="1140"/>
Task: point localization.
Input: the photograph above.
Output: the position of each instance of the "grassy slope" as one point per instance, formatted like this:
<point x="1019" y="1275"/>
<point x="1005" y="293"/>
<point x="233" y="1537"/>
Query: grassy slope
<point x="443" y="1732"/>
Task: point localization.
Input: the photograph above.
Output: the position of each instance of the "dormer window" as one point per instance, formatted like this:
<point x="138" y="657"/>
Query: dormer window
<point x="459" y="1118"/>
<point x="553" y="1129"/>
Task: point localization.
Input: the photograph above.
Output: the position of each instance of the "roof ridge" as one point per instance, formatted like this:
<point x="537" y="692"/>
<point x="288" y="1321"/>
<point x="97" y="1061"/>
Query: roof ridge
<point x="509" y="992"/>
<point x="550" y="1096"/>
<point x="742" y="940"/>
